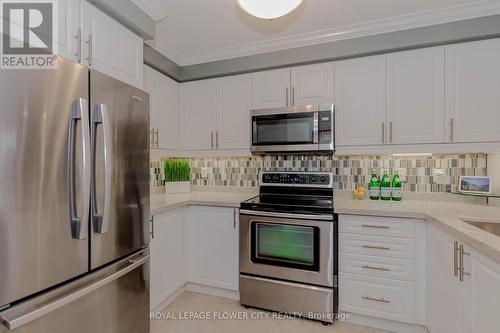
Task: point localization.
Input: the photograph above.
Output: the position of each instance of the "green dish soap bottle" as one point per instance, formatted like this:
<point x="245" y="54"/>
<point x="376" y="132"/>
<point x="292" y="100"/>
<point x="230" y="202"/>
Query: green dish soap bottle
<point x="397" y="190"/>
<point x="374" y="186"/>
<point x="385" y="187"/>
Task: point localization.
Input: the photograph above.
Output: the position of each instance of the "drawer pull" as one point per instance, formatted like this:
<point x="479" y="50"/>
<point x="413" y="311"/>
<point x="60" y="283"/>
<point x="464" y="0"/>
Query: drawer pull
<point x="375" y="226"/>
<point x="376" y="268"/>
<point x="375" y="247"/>
<point x="381" y="300"/>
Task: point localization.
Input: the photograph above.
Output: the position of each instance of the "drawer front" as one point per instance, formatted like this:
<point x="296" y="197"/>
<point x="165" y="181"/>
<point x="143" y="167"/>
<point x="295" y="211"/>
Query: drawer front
<point x="382" y="298"/>
<point x="377" y="226"/>
<point x="390" y="268"/>
<point x="403" y="248"/>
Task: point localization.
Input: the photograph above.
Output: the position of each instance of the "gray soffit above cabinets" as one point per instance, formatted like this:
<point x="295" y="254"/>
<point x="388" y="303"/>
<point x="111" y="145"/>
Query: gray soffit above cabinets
<point x="441" y="34"/>
<point x="128" y="14"/>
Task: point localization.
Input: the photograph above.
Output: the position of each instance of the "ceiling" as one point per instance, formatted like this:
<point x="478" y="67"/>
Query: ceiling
<point x="193" y="31"/>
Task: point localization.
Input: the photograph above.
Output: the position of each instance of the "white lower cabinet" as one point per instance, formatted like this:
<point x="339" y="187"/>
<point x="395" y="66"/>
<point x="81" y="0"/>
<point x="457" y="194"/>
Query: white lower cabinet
<point x="168" y="255"/>
<point x="382" y="268"/>
<point x="443" y="289"/>
<point x="467" y="305"/>
<point x="213" y="247"/>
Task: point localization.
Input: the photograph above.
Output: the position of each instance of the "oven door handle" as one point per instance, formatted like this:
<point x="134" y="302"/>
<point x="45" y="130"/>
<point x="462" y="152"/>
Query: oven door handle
<point x="324" y="217"/>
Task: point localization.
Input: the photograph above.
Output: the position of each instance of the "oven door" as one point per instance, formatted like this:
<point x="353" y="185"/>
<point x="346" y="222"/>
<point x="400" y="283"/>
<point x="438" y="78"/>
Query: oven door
<point x="284" y="131"/>
<point x="288" y="247"/>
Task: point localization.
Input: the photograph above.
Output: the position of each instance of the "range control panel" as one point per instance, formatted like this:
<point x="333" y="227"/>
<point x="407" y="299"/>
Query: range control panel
<point x="316" y="179"/>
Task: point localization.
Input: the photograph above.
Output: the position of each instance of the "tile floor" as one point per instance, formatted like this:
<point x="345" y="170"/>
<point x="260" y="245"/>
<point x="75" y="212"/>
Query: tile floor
<point x="189" y="302"/>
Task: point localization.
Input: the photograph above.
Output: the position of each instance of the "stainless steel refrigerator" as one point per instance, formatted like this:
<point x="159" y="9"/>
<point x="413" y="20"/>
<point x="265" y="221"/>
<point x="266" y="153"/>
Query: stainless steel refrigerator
<point x="74" y="202"/>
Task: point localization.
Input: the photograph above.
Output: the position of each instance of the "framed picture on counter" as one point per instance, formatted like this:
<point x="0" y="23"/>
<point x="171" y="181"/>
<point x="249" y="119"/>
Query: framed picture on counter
<point x="475" y="184"/>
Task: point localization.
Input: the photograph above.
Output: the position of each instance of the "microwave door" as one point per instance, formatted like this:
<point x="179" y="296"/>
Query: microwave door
<point x="285" y="132"/>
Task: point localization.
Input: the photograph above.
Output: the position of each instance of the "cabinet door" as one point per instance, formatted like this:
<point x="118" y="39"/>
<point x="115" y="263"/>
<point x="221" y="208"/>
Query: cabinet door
<point x="168" y="257"/>
<point x="213" y="247"/>
<point x="360" y="101"/>
<point x="233" y="112"/>
<point x="115" y="50"/>
<point x="198" y="112"/>
<point x="443" y="288"/>
<point x="271" y="89"/>
<point x="69" y="38"/>
<point x="473" y="91"/>
<point x="415" y="96"/>
<point x="482" y="287"/>
<point x="164" y="102"/>
<point x="312" y="84"/>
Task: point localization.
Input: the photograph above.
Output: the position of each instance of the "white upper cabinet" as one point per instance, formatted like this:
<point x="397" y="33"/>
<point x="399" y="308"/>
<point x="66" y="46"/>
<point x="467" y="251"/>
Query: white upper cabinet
<point x="234" y="101"/>
<point x="164" y="109"/>
<point x="198" y="114"/>
<point x="473" y="91"/>
<point x="415" y="96"/>
<point x="111" y="48"/>
<point x="69" y="33"/>
<point x="271" y="89"/>
<point x="360" y="101"/>
<point x="312" y="84"/>
<point x="303" y="85"/>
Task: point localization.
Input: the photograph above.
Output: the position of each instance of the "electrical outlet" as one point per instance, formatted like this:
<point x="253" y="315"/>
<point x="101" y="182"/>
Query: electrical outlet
<point x="204" y="173"/>
<point x="439" y="176"/>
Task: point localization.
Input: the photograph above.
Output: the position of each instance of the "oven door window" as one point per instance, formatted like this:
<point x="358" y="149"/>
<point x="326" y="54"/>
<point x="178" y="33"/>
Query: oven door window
<point x="283" y="129"/>
<point x="285" y="245"/>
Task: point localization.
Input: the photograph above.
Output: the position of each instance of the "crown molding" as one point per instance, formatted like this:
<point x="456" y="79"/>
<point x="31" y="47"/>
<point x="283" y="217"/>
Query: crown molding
<point x="417" y="20"/>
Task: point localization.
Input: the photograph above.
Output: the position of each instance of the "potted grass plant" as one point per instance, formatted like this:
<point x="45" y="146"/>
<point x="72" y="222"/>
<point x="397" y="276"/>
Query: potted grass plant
<point x="177" y="172"/>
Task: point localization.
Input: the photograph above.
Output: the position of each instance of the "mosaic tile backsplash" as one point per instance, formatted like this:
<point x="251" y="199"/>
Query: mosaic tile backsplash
<point x="349" y="171"/>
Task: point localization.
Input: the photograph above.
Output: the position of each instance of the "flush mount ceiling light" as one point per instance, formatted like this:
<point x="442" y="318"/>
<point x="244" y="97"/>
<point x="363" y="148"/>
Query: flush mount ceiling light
<point x="269" y="9"/>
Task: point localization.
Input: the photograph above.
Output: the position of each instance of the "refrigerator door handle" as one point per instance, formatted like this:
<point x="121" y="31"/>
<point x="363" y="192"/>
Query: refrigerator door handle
<point x="19" y="316"/>
<point x="79" y="111"/>
<point x="101" y="116"/>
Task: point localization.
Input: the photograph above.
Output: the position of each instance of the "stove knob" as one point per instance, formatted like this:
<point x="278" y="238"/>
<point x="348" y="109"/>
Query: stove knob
<point x="323" y="179"/>
<point x="313" y="179"/>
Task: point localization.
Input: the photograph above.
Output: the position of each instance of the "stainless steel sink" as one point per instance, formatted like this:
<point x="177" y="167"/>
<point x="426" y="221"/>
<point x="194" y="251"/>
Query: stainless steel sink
<point x="491" y="226"/>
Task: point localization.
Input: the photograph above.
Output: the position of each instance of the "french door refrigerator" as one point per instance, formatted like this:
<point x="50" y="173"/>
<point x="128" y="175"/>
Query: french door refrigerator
<point x="74" y="202"/>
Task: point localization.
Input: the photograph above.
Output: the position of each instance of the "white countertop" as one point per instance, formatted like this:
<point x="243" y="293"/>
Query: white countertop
<point x="163" y="202"/>
<point x="444" y="214"/>
<point x="434" y="209"/>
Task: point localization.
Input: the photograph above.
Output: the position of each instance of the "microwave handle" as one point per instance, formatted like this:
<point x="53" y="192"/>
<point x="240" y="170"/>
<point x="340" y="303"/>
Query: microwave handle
<point x="316" y="128"/>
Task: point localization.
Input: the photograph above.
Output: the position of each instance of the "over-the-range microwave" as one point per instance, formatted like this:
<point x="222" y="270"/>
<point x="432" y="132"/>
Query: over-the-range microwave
<point x="294" y="129"/>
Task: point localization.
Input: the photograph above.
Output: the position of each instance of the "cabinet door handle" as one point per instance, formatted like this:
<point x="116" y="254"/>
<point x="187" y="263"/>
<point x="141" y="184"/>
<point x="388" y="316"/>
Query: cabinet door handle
<point x="217" y="139"/>
<point x="376" y="268"/>
<point x="455" y="258"/>
<point x="381" y="300"/>
<point x="212" y="140"/>
<point x="293" y="96"/>
<point x="78" y="38"/>
<point x="286" y="96"/>
<point x="152" y="227"/>
<point x="383" y="132"/>
<point x="390" y="132"/>
<point x="452" y="124"/>
<point x="462" y="272"/>
<point x="157" y="137"/>
<point x="234" y="218"/>
<point x="375" y="226"/>
<point x="375" y="247"/>
<point x="89" y="57"/>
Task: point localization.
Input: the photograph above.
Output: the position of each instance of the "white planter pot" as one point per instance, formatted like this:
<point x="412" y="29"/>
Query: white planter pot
<point x="177" y="187"/>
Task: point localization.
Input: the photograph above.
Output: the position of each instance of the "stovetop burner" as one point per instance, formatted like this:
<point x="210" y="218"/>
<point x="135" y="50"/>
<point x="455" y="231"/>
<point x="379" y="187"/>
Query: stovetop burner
<point x="294" y="192"/>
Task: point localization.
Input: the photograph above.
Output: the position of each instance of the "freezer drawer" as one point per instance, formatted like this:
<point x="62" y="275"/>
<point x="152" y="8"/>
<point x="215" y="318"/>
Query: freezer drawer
<point x="114" y="299"/>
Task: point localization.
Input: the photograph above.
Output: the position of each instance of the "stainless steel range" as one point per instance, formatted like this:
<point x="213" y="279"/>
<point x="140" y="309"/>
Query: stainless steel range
<point x="288" y="246"/>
